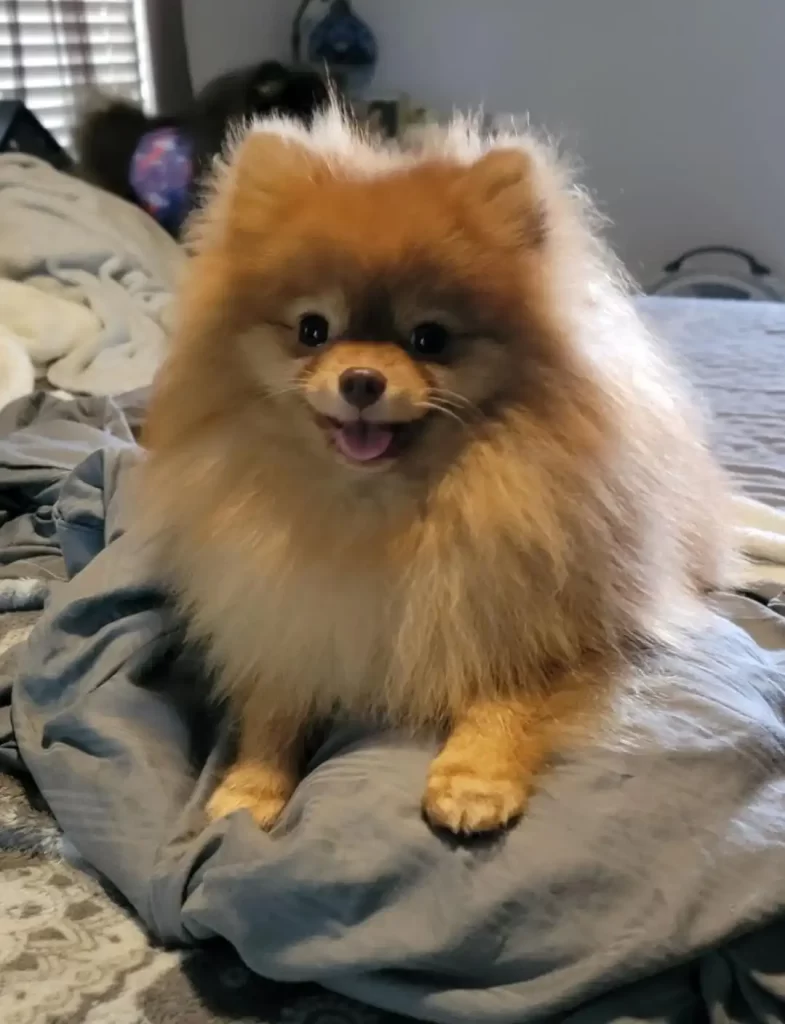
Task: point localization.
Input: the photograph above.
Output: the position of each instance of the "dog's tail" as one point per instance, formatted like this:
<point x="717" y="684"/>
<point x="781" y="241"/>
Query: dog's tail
<point x="106" y="137"/>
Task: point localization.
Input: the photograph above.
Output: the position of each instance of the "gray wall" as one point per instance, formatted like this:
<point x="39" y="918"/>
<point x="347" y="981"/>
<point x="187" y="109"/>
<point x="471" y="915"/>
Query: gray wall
<point x="676" y="107"/>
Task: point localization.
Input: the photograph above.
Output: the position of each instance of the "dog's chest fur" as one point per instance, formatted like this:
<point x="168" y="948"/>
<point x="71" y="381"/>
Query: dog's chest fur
<point x="397" y="632"/>
<point x="296" y="633"/>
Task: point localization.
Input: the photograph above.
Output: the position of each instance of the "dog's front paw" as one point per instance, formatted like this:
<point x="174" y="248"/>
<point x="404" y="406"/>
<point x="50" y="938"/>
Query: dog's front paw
<point x="262" y="791"/>
<point x="464" y="800"/>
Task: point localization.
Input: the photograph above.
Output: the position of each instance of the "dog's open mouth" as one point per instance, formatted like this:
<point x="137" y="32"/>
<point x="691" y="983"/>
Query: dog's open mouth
<point x="364" y="442"/>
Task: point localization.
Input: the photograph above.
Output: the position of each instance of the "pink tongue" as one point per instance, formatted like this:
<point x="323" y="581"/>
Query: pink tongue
<point x="362" y="441"/>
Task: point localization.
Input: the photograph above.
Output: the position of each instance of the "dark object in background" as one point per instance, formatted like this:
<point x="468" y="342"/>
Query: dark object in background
<point x="22" y="132"/>
<point x="108" y="138"/>
<point x="382" y="118"/>
<point x="329" y="34"/>
<point x="737" y="274"/>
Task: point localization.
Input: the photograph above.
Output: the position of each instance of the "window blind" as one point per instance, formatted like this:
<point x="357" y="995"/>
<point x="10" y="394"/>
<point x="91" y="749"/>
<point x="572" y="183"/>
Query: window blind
<point x="53" y="52"/>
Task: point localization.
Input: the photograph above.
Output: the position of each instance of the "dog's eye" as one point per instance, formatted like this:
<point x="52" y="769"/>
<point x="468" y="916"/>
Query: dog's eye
<point x="429" y="339"/>
<point x="313" y="330"/>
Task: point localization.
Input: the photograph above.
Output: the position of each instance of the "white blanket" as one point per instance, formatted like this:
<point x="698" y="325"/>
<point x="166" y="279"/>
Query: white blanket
<point x="17" y="375"/>
<point x="110" y="267"/>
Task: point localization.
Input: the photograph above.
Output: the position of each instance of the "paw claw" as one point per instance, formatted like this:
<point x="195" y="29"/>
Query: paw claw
<point x="465" y="802"/>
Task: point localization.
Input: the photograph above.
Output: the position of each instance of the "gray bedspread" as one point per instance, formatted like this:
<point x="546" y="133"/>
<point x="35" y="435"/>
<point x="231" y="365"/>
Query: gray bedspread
<point x="646" y="882"/>
<point x="735" y="354"/>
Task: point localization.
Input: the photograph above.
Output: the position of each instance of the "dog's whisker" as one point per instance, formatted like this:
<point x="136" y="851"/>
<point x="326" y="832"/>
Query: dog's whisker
<point x="443" y="404"/>
<point x="268" y="395"/>
<point x="454" y="401"/>
<point x="445" y="410"/>
<point x="452" y="395"/>
<point x="446" y="403"/>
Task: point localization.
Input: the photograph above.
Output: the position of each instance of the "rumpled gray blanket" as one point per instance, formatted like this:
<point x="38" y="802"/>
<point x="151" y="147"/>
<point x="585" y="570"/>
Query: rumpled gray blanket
<point x="646" y="882"/>
<point x="80" y="243"/>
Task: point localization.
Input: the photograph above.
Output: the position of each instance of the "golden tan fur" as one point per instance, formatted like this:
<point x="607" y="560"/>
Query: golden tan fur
<point x="557" y="505"/>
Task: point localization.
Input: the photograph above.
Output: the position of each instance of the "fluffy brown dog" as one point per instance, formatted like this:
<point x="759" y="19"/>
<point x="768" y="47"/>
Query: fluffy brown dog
<point x="414" y="457"/>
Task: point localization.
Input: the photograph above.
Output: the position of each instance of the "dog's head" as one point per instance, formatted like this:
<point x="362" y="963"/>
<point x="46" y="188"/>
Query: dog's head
<point x="376" y="310"/>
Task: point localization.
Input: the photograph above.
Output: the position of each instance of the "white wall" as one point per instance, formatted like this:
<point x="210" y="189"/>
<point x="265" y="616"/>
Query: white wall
<point x="676" y="107"/>
<point x="224" y="34"/>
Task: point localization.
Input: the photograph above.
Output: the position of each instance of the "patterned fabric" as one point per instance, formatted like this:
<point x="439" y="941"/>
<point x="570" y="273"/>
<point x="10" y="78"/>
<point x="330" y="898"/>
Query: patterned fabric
<point x="71" y="954"/>
<point x="161" y="173"/>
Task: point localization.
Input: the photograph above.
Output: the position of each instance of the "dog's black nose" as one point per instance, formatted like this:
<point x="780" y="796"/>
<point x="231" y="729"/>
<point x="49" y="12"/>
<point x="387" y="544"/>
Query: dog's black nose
<point x="361" y="387"/>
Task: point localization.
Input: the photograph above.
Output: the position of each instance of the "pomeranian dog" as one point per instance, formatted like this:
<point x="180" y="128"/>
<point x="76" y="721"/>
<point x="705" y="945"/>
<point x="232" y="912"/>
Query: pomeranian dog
<point x="413" y="457"/>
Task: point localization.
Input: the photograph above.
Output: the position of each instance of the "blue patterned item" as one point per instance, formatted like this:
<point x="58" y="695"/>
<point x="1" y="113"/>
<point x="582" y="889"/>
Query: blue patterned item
<point x="342" y="40"/>
<point x="161" y="173"/>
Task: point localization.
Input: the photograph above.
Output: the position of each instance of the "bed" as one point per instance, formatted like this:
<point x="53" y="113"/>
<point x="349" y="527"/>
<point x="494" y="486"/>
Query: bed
<point x="335" y="919"/>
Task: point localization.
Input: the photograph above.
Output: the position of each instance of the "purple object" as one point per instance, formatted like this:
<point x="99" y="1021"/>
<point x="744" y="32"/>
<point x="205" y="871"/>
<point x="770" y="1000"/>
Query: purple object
<point x="161" y="173"/>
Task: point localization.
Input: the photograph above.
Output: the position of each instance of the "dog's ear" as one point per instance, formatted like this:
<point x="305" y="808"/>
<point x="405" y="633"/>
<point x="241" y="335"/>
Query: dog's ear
<point x="505" y="182"/>
<point x="265" y="167"/>
<point x="267" y="163"/>
<point x="257" y="173"/>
